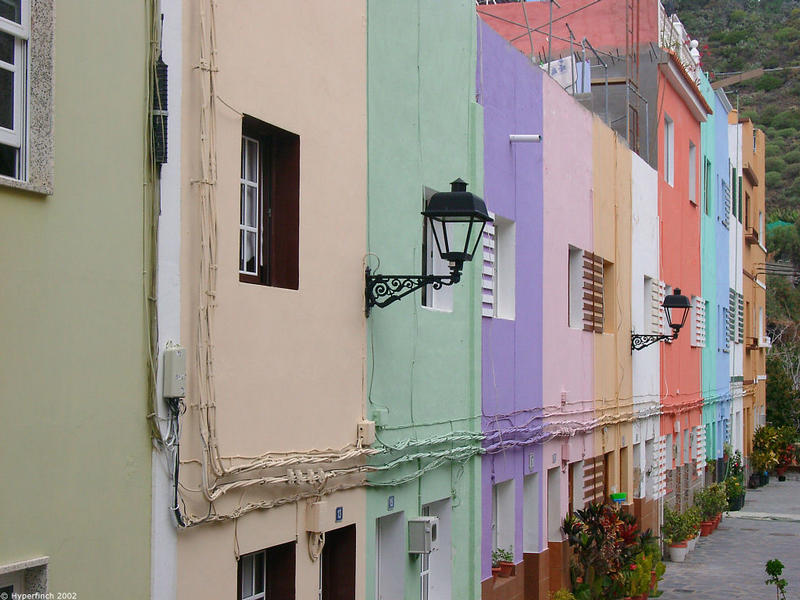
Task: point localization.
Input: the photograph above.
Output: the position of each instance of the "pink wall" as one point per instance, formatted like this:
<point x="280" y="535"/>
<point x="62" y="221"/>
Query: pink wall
<point x="568" y="355"/>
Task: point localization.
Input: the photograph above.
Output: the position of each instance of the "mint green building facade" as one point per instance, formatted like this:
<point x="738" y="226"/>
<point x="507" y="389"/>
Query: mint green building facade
<point x="76" y="447"/>
<point x="423" y="387"/>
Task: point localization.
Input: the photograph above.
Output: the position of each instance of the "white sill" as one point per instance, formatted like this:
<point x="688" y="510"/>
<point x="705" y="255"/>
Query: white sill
<point x="437" y="310"/>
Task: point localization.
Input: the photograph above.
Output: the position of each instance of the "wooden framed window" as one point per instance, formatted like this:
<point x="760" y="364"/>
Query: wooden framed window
<point x="269" y="205"/>
<point x="267" y="574"/>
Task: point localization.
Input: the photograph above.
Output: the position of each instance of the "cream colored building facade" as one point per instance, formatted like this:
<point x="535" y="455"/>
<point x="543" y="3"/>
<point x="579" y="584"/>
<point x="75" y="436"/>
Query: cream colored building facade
<point x="270" y="211"/>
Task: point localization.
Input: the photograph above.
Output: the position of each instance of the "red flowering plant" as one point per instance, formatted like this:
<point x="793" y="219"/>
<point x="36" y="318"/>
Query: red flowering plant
<point x="605" y="540"/>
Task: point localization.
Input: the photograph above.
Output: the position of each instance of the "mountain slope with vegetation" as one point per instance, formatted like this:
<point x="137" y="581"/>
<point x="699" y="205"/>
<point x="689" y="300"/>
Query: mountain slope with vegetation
<point x="741" y="35"/>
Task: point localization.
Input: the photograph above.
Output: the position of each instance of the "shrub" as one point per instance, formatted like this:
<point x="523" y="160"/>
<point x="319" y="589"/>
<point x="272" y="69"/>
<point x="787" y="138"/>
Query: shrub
<point x="562" y="594"/>
<point x="774" y="569"/>
<point x="786" y="34"/>
<point x="791" y="171"/>
<point x="772" y="179"/>
<point x="676" y="527"/>
<point x="786" y="132"/>
<point x="775" y="163"/>
<point x="769" y="82"/>
<point x="787" y="118"/>
<point x="772" y="149"/>
<point x="792" y="156"/>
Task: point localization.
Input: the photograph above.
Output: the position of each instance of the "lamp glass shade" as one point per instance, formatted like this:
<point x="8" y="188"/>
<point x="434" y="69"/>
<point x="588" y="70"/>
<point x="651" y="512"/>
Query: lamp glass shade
<point x="677" y="307"/>
<point x="457" y="219"/>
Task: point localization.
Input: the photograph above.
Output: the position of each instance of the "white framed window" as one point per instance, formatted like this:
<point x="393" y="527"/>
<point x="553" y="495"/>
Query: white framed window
<point x="14" y="36"/>
<point x="250" y="205"/>
<point x="253" y="576"/>
<point x="505" y="269"/>
<point x="692" y="173"/>
<point x="669" y="150"/>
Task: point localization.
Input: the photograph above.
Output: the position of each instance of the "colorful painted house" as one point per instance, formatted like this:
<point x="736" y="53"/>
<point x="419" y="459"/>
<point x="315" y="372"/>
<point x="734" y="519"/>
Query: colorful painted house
<point x="423" y="383"/>
<point x="75" y="239"/>
<point x="753" y="216"/>
<point x="263" y="242"/>
<point x="510" y="92"/>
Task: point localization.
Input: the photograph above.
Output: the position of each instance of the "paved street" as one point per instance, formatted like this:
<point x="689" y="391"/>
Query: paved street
<point x="729" y="564"/>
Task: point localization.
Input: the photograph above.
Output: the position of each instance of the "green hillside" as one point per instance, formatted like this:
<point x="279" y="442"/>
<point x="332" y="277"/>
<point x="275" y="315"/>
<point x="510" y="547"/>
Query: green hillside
<point x="740" y="35"/>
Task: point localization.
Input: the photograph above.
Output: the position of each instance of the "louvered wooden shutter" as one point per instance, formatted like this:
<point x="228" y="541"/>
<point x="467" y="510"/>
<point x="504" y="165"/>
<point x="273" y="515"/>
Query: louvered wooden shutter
<point x="592" y="292"/>
<point x="593" y="480"/>
<point x="489" y="277"/>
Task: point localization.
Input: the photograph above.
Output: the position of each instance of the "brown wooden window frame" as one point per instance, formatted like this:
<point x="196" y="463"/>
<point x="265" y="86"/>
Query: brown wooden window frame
<point x="278" y="564"/>
<point x="278" y="205"/>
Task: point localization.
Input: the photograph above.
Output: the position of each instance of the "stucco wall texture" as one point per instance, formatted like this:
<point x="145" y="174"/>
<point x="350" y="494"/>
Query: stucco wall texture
<point x="425" y="130"/>
<point x="71" y="312"/>
<point x="510" y="91"/>
<point x="289" y="363"/>
<point x="680" y="264"/>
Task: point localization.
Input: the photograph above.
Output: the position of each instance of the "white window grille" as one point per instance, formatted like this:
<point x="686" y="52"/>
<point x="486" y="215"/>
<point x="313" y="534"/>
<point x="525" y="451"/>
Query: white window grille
<point x="669" y="150"/>
<point x="659" y="321"/>
<point x="700" y="440"/>
<point x="249" y="198"/>
<point x="489" y="270"/>
<point x="253" y="576"/>
<point x="698" y="322"/>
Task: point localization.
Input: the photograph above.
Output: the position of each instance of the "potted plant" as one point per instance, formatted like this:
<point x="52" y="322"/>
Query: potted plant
<point x="503" y="560"/>
<point x="675" y="532"/>
<point x="693" y="520"/>
<point x="734" y="491"/>
<point x="639" y="578"/>
<point x="562" y="594"/>
<point x="705" y="504"/>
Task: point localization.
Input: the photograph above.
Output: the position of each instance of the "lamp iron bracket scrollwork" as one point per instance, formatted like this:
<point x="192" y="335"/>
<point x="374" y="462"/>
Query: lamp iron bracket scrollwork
<point x="383" y="290"/>
<point x="639" y="341"/>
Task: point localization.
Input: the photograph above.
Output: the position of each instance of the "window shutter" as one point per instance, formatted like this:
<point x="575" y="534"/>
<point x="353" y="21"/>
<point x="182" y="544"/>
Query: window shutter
<point x="659" y="321"/>
<point x="488" y="278"/>
<point x="593" y="484"/>
<point x="659" y="478"/>
<point x="592" y="292"/>
<point x="699" y="322"/>
<point x="700" y="437"/>
<point x="730" y="326"/>
<point x="740" y="319"/>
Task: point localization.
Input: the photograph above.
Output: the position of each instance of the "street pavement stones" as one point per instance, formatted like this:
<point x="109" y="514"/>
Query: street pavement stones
<point x="729" y="564"/>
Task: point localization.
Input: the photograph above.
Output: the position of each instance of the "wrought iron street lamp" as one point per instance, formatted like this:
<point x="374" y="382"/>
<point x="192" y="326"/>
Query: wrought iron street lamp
<point x="457" y="219"/>
<point x="677" y="307"/>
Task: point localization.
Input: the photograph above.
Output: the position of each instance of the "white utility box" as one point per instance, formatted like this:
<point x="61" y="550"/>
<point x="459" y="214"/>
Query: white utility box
<point x="423" y="535"/>
<point x="174" y="371"/>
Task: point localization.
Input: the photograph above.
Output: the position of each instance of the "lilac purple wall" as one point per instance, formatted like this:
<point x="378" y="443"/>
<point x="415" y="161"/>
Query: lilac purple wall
<point x="510" y="91"/>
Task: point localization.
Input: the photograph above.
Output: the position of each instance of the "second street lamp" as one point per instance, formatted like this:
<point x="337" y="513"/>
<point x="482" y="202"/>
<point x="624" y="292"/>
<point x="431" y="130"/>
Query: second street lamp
<point x="676" y="306"/>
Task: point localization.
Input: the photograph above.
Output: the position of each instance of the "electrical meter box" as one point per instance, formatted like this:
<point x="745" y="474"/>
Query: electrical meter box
<point x="423" y="535"/>
<point x="174" y="371"/>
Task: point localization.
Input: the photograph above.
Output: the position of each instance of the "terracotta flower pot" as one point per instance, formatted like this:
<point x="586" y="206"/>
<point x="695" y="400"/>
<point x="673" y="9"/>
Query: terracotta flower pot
<point x="653" y="579"/>
<point x="706" y="527"/>
<point x="641" y="597"/>
<point x="495" y="572"/>
<point x="505" y="568"/>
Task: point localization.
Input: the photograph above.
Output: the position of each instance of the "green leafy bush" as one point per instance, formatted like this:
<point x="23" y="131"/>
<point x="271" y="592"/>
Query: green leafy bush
<point x="787" y="118"/>
<point x="769" y="82"/>
<point x="774" y="569"/>
<point x="773" y="149"/>
<point x="775" y="163"/>
<point x="792" y="156"/>
<point x="791" y="171"/>
<point x="786" y="34"/>
<point x="773" y="179"/>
